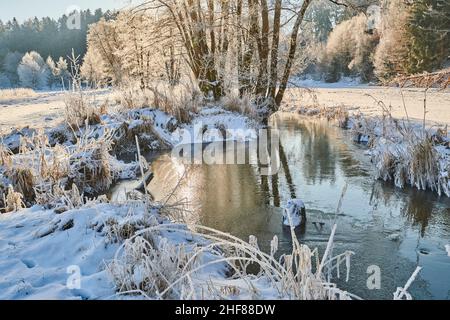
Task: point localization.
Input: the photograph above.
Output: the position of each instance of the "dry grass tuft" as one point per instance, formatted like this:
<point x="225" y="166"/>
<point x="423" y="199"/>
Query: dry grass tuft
<point x="5" y="156"/>
<point x="180" y="102"/>
<point x="80" y="111"/>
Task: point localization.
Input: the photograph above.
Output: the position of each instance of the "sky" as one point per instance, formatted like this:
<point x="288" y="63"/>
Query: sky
<point x="23" y="9"/>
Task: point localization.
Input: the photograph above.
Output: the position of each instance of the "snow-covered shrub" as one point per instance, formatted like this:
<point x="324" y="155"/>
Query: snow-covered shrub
<point x="237" y="104"/>
<point x="132" y="97"/>
<point x="413" y="161"/>
<point x="158" y="269"/>
<point x="180" y="101"/>
<point x="33" y="71"/>
<point x="43" y="174"/>
<point x="405" y="153"/>
<point x="59" y="198"/>
<point x="151" y="267"/>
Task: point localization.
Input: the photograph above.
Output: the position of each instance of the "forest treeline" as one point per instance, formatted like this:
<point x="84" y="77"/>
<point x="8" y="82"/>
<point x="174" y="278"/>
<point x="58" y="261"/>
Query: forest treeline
<point x="43" y="38"/>
<point x="248" y="45"/>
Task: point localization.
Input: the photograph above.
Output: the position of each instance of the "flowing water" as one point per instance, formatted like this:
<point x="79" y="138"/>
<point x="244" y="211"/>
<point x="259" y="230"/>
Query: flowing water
<point x="384" y="226"/>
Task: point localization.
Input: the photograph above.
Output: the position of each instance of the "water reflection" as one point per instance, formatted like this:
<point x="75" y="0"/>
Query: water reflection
<point x="384" y="225"/>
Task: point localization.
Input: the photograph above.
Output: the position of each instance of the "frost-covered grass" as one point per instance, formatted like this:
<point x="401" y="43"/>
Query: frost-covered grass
<point x="157" y="269"/>
<point x="10" y="95"/>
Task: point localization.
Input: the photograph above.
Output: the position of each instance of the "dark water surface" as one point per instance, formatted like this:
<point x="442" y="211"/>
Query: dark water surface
<point x="385" y="226"/>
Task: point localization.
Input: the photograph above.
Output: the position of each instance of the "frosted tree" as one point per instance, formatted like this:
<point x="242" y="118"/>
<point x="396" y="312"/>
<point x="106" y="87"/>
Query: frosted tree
<point x="392" y="50"/>
<point x="53" y="71"/>
<point x="4" y="81"/>
<point x="93" y="69"/>
<point x="103" y="37"/>
<point x="239" y="37"/>
<point x="33" y="71"/>
<point x="349" y="49"/>
<point x="428" y="32"/>
<point x="58" y="72"/>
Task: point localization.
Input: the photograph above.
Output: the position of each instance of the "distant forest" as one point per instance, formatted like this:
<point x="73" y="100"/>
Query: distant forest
<point x="47" y="36"/>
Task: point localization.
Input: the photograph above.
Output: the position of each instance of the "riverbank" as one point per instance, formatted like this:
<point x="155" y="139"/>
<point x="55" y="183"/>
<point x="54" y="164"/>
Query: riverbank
<point x="364" y="98"/>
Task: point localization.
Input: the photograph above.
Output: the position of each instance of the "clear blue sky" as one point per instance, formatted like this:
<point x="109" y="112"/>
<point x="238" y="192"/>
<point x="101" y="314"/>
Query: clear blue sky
<point x="23" y="9"/>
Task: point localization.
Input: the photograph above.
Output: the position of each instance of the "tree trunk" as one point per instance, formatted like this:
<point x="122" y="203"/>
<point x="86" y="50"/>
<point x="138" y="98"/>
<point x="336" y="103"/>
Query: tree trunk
<point x="292" y="51"/>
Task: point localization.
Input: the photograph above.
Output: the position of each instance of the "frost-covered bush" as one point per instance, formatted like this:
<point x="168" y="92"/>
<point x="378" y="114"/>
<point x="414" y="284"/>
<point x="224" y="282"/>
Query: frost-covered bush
<point x="149" y="265"/>
<point x="349" y="50"/>
<point x="80" y="110"/>
<point x="42" y="173"/>
<point x="33" y="71"/>
<point x="237" y="104"/>
<point x="404" y="153"/>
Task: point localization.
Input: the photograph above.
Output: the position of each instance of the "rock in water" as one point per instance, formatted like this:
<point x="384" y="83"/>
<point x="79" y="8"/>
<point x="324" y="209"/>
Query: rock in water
<point x="447" y="247"/>
<point x="296" y="210"/>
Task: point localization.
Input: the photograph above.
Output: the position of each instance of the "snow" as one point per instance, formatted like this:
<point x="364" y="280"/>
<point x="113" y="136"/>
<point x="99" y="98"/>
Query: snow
<point x="34" y="265"/>
<point x="208" y="124"/>
<point x="363" y="98"/>
<point x="293" y="213"/>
